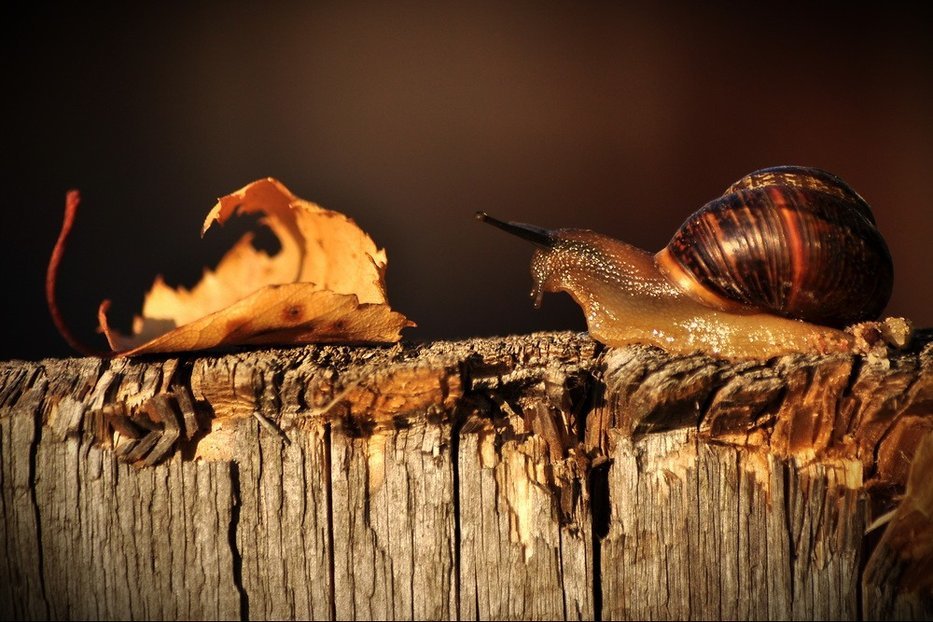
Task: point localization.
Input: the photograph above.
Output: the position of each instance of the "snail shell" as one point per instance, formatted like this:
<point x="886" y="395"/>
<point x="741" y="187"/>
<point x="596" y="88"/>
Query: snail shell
<point x="782" y="245"/>
<point x="793" y="241"/>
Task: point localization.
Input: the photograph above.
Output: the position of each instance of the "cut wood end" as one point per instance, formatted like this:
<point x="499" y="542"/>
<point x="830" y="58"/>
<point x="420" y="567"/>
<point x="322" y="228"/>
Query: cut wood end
<point x="219" y="444"/>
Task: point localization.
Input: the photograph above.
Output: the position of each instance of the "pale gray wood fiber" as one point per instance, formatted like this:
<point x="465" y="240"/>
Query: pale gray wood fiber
<point x="282" y="510"/>
<point x="393" y="514"/>
<point x="527" y="477"/>
<point x="777" y="541"/>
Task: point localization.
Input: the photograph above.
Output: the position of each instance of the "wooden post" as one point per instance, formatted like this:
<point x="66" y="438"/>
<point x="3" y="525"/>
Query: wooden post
<point x="531" y="477"/>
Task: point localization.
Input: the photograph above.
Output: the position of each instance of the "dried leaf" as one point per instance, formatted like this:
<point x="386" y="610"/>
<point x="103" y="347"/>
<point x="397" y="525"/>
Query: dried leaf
<point x="326" y="284"/>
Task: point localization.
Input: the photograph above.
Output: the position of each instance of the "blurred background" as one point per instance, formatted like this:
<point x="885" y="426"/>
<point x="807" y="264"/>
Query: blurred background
<point x="409" y="117"/>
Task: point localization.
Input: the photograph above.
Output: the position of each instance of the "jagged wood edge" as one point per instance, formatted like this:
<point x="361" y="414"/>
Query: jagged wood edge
<point x="879" y="414"/>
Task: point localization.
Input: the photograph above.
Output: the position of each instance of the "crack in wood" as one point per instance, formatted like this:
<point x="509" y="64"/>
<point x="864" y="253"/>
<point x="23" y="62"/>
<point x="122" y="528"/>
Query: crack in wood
<point x="237" y="557"/>
<point x="504" y="455"/>
<point x="34" y="443"/>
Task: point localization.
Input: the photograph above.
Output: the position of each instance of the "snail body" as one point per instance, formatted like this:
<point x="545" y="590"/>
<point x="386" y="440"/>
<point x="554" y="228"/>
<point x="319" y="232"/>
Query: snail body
<point x="778" y="264"/>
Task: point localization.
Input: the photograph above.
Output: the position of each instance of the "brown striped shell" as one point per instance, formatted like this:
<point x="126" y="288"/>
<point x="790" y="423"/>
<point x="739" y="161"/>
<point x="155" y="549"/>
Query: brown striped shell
<point x="788" y="240"/>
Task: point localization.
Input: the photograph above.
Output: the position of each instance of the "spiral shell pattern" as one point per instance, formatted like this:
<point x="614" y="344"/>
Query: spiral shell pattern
<point x="792" y="241"/>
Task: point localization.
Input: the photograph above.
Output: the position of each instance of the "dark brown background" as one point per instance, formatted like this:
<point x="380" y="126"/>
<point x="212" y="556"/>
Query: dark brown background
<point x="410" y="117"/>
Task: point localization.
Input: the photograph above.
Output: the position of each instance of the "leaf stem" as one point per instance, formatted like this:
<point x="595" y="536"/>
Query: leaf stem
<point x="72" y="199"/>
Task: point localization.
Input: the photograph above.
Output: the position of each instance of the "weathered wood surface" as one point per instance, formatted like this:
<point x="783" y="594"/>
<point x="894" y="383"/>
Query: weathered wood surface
<point x="526" y="477"/>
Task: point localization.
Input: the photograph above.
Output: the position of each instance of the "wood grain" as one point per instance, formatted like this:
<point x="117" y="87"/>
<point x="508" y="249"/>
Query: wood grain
<point x="527" y="477"/>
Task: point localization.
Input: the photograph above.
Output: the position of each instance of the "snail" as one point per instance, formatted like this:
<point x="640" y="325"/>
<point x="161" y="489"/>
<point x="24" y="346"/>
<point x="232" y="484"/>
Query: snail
<point x="780" y="263"/>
